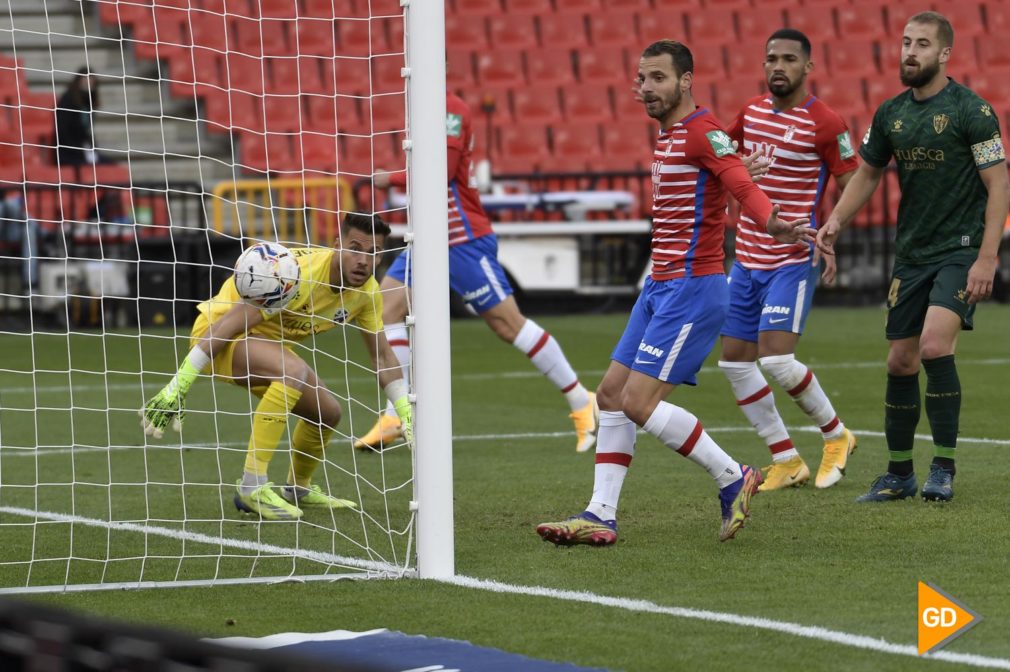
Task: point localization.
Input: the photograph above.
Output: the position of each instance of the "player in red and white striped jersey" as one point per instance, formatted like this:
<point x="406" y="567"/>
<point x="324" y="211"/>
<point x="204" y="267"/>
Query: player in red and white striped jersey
<point x="476" y="275"/>
<point x="677" y="318"/>
<point x="772" y="284"/>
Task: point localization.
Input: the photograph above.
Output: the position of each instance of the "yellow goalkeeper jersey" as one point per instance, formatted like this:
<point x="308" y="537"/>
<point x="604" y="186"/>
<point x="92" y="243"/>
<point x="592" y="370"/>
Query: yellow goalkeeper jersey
<point x="318" y="306"/>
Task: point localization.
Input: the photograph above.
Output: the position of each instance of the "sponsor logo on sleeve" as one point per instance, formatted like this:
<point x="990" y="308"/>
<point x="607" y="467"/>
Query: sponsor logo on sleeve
<point x="454" y="125"/>
<point x="721" y="143"/>
<point x="845" y="149"/>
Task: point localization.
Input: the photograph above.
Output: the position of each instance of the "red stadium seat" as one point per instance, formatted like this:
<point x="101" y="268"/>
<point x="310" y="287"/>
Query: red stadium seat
<point x="816" y="22"/>
<point x="467" y="32"/>
<point x="282" y="113"/>
<point x="576" y="148"/>
<point x="655" y="26"/>
<point x="853" y="57"/>
<point x="587" y="103"/>
<point x="709" y="64"/>
<point x="502" y="68"/>
<point x="563" y="30"/>
<point x="315" y="37"/>
<point x="712" y="26"/>
<point x="605" y="65"/>
<point x="991" y="54"/>
<point x="328" y="9"/>
<point x="385" y="115"/>
<point x="550" y="66"/>
<point x="350" y="76"/>
<point x="738" y="5"/>
<point x="193" y="73"/>
<point x="842" y="94"/>
<point x="521" y="148"/>
<point x="492" y="96"/>
<point x="629" y="145"/>
<point x="613" y="29"/>
<point x="114" y="12"/>
<point x="757" y="26"/>
<point x="898" y="14"/>
<point x="329" y="115"/>
<point x="879" y="89"/>
<point x="243" y="73"/>
<point x="746" y="58"/>
<point x="298" y="75"/>
<point x="512" y="32"/>
<point x="209" y="30"/>
<point x="161" y="34"/>
<point x="386" y="74"/>
<point x="865" y="23"/>
<point x="528" y="7"/>
<point x="459" y="69"/>
<point x="266" y="153"/>
<point x="630" y="110"/>
<point x="369" y="155"/>
<point x="478" y="7"/>
<point x="537" y="105"/>
<point x="731" y="94"/>
<point x="627" y="5"/>
<point x="991" y="86"/>
<point x="363" y="37"/>
<point x="580" y="6"/>
<point x="279" y="9"/>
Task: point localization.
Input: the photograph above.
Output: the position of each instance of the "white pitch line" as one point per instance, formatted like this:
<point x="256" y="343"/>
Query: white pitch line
<point x="199" y="538"/>
<point x="12" y="451"/>
<point x="490" y="375"/>
<point x="643" y="606"/>
<point x="785" y="627"/>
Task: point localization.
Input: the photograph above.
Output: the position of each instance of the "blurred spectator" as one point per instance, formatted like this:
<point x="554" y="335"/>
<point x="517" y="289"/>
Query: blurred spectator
<point x="75" y="138"/>
<point x="16" y="228"/>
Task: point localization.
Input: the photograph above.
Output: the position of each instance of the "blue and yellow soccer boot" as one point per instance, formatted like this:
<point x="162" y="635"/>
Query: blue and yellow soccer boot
<point x="890" y="487"/>
<point x="735" y="501"/>
<point x="585" y="528"/>
<point x="266" y="503"/>
<point x="313" y="497"/>
<point x="939" y="487"/>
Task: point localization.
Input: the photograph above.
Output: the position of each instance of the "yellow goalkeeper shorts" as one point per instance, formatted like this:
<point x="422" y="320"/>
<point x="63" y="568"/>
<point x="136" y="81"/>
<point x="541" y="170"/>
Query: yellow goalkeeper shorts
<point x="222" y="364"/>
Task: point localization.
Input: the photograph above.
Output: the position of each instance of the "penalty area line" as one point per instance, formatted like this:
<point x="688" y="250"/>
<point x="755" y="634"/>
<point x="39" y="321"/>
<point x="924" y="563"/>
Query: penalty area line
<point x="796" y="629"/>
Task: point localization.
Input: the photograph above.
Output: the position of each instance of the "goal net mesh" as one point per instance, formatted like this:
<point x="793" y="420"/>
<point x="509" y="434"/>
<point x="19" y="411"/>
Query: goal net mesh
<point x="143" y="145"/>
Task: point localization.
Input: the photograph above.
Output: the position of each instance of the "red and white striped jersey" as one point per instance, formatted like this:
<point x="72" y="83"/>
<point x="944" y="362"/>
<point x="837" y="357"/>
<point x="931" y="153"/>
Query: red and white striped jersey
<point x="689" y="182"/>
<point x="467" y="219"/>
<point x="811" y="141"/>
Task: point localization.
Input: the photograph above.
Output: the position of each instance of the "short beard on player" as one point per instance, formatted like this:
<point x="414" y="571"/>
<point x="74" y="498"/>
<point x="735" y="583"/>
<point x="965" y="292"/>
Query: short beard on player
<point x="926" y="73"/>
<point x="667" y="108"/>
<point x="784" y="90"/>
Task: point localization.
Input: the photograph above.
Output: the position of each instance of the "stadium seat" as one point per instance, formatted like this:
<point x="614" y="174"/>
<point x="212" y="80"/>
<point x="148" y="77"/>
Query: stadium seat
<point x="605" y="65"/>
<point x="865" y="23"/>
<point x="386" y="74"/>
<point x="853" y="57"/>
<point x="992" y="55"/>
<point x="114" y="12"/>
<point x="655" y="26"/>
<point x="384" y="116"/>
<point x="898" y="14"/>
<point x="627" y="5"/>
<point x="512" y="32"/>
<point x="736" y="5"/>
<point x="709" y="63"/>
<point x="537" y="104"/>
<point x="528" y="7"/>
<point x="266" y="153"/>
<point x="746" y="58"/>
<point x="842" y="94"/>
<point x="613" y="29"/>
<point x="209" y="31"/>
<point x="711" y="27"/>
<point x="879" y="89"/>
<point x="576" y="147"/>
<point x="282" y="113"/>
<point x="243" y="73"/>
<point x="266" y="37"/>
<point x="731" y="94"/>
<point x="368" y="155"/>
<point x="629" y="145"/>
<point x="279" y="9"/>
<point x="315" y="37"/>
<point x="550" y="66"/>
<point x="466" y="32"/>
<point x="161" y="34"/>
<point x="521" y="148"/>
<point x="580" y="6"/>
<point x="328" y="9"/>
<point x="459" y="69"/>
<point x="757" y="26"/>
<point x="501" y="68"/>
<point x="816" y="22"/>
<point x="192" y="73"/>
<point x="586" y="104"/>
<point x="630" y="110"/>
<point x="297" y="75"/>
<point x="362" y="37"/>
<point x="563" y="30"/>
<point x="478" y="7"/>
<point x="992" y="87"/>
<point x="333" y="114"/>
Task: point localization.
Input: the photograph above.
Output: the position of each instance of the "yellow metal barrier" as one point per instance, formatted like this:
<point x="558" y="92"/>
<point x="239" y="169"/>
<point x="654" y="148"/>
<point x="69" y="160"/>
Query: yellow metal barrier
<point x="289" y="210"/>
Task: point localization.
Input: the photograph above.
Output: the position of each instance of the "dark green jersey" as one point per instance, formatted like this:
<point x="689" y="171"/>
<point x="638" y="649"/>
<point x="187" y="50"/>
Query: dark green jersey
<point x="939" y="145"/>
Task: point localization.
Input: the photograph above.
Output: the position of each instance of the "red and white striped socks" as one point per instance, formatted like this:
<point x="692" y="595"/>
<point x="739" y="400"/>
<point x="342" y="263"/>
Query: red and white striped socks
<point x="680" y="430"/>
<point x="615" y="447"/>
<point x="545" y="353"/>
<point x="801" y="384"/>
<point x="754" y="397"/>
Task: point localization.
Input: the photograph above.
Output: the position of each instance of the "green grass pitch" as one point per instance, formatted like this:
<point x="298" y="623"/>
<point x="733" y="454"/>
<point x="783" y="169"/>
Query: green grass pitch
<point x="809" y="557"/>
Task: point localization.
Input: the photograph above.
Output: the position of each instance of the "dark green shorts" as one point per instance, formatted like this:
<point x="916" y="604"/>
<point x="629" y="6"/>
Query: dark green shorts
<point x="916" y="287"/>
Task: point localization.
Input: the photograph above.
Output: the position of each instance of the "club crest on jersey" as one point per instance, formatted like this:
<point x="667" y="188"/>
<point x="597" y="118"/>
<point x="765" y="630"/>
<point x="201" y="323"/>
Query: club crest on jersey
<point x="940" y="122"/>
<point x="790" y="132"/>
<point x="721" y="143"/>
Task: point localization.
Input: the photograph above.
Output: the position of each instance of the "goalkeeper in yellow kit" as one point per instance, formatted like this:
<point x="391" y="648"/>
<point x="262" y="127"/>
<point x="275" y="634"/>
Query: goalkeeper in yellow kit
<point x="252" y="348"/>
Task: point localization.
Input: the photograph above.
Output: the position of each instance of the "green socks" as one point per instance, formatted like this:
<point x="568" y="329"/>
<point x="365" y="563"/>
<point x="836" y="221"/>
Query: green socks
<point x="943" y="406"/>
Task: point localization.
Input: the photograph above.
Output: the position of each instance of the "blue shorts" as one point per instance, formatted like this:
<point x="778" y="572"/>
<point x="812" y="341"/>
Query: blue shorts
<point x="775" y="300"/>
<point x="673" y="327"/>
<point x="474" y="273"/>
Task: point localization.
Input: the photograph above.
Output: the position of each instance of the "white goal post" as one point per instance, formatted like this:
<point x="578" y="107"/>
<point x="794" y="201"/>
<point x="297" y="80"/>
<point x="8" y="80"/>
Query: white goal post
<point x="111" y="253"/>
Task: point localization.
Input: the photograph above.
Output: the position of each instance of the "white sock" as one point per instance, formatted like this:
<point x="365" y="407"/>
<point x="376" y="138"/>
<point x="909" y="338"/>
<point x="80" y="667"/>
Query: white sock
<point x="680" y="430"/>
<point x="546" y="355"/>
<point x="396" y="334"/>
<point x="615" y="446"/>
<point x="250" y="482"/>
<point x="755" y="399"/>
<point x="801" y="384"/>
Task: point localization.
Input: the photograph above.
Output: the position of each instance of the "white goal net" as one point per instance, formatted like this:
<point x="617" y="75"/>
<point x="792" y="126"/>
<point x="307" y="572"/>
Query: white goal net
<point x="143" y="145"/>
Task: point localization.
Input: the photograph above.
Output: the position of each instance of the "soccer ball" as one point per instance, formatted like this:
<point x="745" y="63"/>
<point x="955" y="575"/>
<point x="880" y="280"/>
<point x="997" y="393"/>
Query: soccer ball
<point x="266" y="276"/>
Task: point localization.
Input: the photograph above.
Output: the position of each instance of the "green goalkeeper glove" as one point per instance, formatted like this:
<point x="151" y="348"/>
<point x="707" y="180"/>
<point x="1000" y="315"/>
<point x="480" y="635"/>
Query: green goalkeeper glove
<point x="406" y="415"/>
<point x="169" y="405"/>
